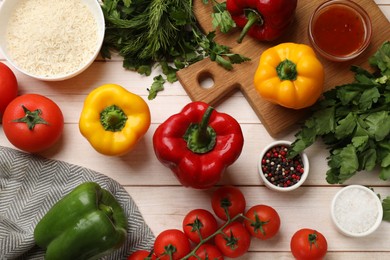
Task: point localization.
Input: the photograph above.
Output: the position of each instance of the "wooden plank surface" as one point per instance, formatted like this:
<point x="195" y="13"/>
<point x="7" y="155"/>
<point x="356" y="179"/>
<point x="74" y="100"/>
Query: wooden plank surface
<point x="276" y="119"/>
<point x="164" y="202"/>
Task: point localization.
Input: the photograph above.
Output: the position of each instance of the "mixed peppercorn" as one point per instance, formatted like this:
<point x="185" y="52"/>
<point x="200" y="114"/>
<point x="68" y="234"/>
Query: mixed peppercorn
<point x="279" y="170"/>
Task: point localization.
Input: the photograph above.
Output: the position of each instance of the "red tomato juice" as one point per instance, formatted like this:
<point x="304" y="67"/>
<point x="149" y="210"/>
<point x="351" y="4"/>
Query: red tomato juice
<point x="339" y="30"/>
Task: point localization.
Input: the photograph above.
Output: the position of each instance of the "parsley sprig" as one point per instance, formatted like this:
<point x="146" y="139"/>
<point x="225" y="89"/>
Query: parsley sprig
<point x="165" y="34"/>
<point x="353" y="120"/>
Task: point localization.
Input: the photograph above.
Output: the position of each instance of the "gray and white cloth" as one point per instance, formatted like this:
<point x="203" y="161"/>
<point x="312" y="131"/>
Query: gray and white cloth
<point x="30" y="185"/>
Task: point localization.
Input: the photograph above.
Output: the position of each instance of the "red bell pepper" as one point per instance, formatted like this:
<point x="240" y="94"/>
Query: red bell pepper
<point x="264" y="20"/>
<point x="198" y="144"/>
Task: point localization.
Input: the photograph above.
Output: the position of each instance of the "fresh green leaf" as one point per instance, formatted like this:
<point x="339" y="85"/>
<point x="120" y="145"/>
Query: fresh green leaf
<point x="324" y="120"/>
<point x="304" y="139"/>
<point x="367" y="159"/>
<point x="386" y="208"/>
<point x="169" y="72"/>
<point x="360" y="142"/>
<point x="157" y="86"/>
<point x="332" y="176"/>
<point x="383" y="149"/>
<point x="348" y="93"/>
<point x="368" y="97"/>
<point x="378" y="124"/>
<point x="127" y="3"/>
<point x="223" y="21"/>
<point x="346" y="126"/>
<point x="144" y="70"/>
<point x="236" y="58"/>
<point x="349" y="163"/>
<point x="384" y="173"/>
<point x="381" y="58"/>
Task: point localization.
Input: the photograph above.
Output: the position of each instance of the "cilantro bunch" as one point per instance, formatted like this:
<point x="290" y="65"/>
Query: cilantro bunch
<point x="152" y="33"/>
<point x="353" y="120"/>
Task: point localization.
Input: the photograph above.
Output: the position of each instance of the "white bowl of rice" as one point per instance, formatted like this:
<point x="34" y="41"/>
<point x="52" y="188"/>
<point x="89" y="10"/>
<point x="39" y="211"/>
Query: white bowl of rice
<point x="356" y="211"/>
<point x="51" y="40"/>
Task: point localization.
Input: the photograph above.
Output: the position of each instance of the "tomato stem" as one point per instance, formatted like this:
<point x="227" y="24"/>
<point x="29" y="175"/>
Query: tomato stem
<point x="312" y="239"/>
<point x="219" y="231"/>
<point x="31" y="118"/>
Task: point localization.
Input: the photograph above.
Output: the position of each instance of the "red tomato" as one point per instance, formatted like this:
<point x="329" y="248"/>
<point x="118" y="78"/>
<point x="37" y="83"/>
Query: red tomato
<point x="199" y="222"/>
<point x="207" y="252"/>
<point x="308" y="244"/>
<point x="8" y="87"/>
<point x="171" y="242"/>
<point x="234" y="241"/>
<point x="33" y="123"/>
<point x="228" y="199"/>
<point x="141" y="255"/>
<point x="262" y="221"/>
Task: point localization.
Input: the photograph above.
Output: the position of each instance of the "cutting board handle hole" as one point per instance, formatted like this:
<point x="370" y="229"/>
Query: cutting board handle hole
<point x="205" y="80"/>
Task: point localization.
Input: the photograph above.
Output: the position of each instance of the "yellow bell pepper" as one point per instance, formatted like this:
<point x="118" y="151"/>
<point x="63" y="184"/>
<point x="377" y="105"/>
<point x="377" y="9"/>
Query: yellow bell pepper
<point x="114" y="119"/>
<point x="290" y="75"/>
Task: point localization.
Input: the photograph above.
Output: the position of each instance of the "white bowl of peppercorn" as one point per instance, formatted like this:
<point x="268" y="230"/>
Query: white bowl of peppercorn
<point x="280" y="173"/>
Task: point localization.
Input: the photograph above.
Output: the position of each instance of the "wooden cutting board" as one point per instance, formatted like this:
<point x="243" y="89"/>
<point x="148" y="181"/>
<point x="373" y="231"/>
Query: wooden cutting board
<point x="276" y="119"/>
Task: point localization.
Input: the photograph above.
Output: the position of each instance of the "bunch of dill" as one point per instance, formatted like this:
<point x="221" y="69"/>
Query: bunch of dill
<point x="149" y="33"/>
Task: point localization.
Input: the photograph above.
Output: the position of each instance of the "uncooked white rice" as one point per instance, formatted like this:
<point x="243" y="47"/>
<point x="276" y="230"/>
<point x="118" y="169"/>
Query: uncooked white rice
<point x="51" y="37"/>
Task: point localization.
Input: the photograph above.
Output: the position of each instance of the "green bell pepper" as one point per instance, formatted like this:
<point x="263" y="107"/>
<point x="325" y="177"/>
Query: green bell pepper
<point x="85" y="224"/>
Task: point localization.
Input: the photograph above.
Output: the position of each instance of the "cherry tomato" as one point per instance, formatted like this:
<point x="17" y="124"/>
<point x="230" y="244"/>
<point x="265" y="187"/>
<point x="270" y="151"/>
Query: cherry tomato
<point x="207" y="252"/>
<point x="199" y="222"/>
<point x="234" y="241"/>
<point x="33" y="123"/>
<point x="141" y="255"/>
<point x="8" y="87"/>
<point x="228" y="200"/>
<point x="171" y="244"/>
<point x="308" y="244"/>
<point x="262" y="221"/>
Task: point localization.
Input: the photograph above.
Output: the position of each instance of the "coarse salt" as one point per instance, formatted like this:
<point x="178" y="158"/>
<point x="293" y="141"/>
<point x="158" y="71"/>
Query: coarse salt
<point x="356" y="210"/>
<point x="51" y="38"/>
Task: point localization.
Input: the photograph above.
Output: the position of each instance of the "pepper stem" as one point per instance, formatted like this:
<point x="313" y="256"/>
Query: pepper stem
<point x="253" y="17"/>
<point x="287" y="70"/>
<point x="108" y="211"/>
<point x="200" y="137"/>
<point x="113" y="118"/>
<point x="31" y="118"/>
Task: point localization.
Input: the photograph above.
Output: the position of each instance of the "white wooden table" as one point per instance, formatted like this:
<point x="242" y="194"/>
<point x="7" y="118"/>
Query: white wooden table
<point x="164" y="202"/>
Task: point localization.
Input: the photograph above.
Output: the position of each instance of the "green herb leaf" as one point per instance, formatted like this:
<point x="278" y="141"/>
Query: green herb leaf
<point x="386" y="208"/>
<point x="383" y="149"/>
<point x="367" y="159"/>
<point x="223" y="21"/>
<point x="236" y="58"/>
<point x="384" y="173"/>
<point x="346" y="126"/>
<point x="146" y="33"/>
<point x="169" y="72"/>
<point x="158" y="85"/>
<point x="349" y="162"/>
<point x="381" y="59"/>
<point x="378" y="124"/>
<point x="360" y="142"/>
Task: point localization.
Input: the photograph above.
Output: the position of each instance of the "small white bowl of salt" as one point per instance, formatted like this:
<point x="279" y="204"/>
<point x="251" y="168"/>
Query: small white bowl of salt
<point x="356" y="211"/>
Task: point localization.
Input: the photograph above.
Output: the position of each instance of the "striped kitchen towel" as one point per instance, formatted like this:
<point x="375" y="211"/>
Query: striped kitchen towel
<point x="30" y="185"/>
